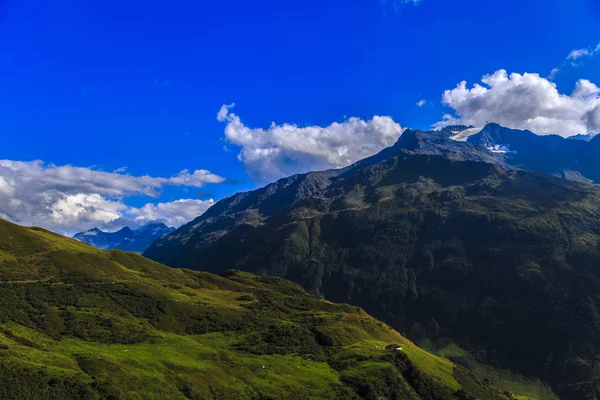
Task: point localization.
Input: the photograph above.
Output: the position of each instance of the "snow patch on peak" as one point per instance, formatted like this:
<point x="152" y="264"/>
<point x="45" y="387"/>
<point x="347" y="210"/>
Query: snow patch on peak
<point x="463" y="135"/>
<point x="501" y="148"/>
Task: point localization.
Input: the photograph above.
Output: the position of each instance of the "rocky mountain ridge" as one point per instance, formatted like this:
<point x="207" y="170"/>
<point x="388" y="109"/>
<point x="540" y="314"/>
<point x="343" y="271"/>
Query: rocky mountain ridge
<point x="125" y="239"/>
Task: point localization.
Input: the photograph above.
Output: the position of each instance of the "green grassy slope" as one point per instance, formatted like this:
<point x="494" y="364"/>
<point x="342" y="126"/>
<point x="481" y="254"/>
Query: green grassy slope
<point x="80" y="323"/>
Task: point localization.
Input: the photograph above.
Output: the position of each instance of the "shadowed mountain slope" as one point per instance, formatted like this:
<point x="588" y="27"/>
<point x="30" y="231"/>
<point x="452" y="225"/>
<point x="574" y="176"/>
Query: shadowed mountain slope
<point x="504" y="262"/>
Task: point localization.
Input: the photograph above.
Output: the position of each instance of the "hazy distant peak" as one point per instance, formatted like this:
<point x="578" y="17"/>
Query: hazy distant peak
<point x="126" y="239"/>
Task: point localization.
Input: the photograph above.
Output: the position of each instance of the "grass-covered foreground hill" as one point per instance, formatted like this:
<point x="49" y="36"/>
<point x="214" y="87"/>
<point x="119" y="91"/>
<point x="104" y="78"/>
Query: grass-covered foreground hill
<point x="81" y="323"/>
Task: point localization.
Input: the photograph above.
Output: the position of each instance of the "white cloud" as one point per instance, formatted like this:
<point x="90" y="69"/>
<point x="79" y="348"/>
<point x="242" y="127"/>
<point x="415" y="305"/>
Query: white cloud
<point x="197" y="178"/>
<point x="553" y="73"/>
<point x="585" y="89"/>
<point x="283" y="150"/>
<point x="81" y="209"/>
<point x="421" y="103"/>
<point x="68" y="178"/>
<point x="575" y="54"/>
<point x="224" y="112"/>
<point x="573" y="57"/>
<point x="68" y="199"/>
<point x="6" y="188"/>
<point x="175" y="213"/>
<point x="524" y="101"/>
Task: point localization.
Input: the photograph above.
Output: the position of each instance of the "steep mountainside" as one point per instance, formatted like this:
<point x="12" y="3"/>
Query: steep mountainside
<point x="126" y="239"/>
<point x="80" y="323"/>
<point x="504" y="262"/>
<point x="243" y="208"/>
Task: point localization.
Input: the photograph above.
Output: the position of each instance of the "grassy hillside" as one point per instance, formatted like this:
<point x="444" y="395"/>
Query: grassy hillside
<point x="80" y="323"/>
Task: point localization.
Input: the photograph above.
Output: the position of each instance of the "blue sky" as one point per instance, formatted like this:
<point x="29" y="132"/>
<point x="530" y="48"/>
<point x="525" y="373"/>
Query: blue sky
<point x="138" y="84"/>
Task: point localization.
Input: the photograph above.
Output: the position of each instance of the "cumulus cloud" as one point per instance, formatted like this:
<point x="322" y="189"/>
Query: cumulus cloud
<point x="41" y="178"/>
<point x="525" y="101"/>
<point x="68" y="199"/>
<point x="421" y="103"/>
<point x="6" y="188"/>
<point x="585" y="89"/>
<point x="283" y="150"/>
<point x="175" y="213"/>
<point x="75" y="211"/>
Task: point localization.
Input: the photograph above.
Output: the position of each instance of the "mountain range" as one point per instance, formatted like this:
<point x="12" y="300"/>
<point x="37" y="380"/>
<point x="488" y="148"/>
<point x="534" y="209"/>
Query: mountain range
<point x="571" y="159"/>
<point x="126" y="239"/>
<point x="80" y="323"/>
<point x="583" y="137"/>
<point x="478" y="248"/>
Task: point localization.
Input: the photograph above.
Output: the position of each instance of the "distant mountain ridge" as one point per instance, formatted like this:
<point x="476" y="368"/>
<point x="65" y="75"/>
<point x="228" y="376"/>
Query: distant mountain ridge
<point x="552" y="154"/>
<point x="574" y="158"/>
<point x="585" y="138"/>
<point x="125" y="239"/>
